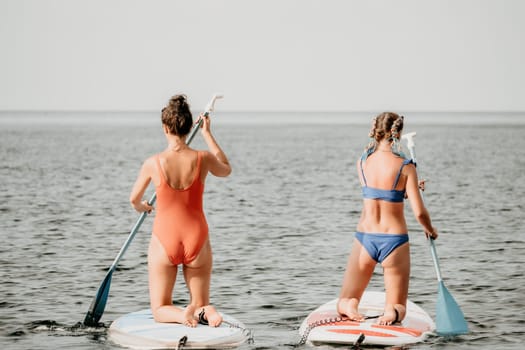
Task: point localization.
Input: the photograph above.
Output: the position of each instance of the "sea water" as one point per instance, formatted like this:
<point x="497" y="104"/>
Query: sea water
<point x="281" y="225"/>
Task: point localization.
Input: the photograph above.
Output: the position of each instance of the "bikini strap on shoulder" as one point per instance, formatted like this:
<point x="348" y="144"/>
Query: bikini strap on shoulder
<point x="362" y="171"/>
<point x="405" y="162"/>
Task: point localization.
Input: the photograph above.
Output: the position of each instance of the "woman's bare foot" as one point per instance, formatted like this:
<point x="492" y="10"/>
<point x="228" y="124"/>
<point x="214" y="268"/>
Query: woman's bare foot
<point x="175" y="314"/>
<point x="348" y="307"/>
<point x="189" y="318"/>
<point x="392" y="315"/>
<point x="208" y="315"/>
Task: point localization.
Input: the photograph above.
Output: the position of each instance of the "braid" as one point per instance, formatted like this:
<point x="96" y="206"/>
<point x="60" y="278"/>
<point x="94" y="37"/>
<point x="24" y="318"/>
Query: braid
<point x="372" y="132"/>
<point x="372" y="144"/>
<point x="396" y="128"/>
<point x="395" y="132"/>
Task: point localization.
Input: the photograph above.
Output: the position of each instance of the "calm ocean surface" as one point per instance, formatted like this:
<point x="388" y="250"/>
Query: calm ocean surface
<point x="281" y="226"/>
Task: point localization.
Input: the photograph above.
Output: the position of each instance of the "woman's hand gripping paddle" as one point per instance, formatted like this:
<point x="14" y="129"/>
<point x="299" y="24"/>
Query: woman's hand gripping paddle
<point x="449" y="317"/>
<point x="96" y="309"/>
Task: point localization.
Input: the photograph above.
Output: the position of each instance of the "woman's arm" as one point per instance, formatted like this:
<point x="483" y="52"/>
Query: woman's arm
<point x="416" y="202"/>
<point x="139" y="188"/>
<point x="216" y="159"/>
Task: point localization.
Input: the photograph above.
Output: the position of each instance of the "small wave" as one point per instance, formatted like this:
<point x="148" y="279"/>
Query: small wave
<point x="58" y="329"/>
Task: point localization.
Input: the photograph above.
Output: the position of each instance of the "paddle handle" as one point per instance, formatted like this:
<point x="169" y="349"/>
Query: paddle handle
<point x="209" y="108"/>
<point x="412" y="149"/>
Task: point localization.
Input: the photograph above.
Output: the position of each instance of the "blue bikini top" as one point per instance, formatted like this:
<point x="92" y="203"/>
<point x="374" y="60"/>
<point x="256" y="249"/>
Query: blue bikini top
<point x="392" y="195"/>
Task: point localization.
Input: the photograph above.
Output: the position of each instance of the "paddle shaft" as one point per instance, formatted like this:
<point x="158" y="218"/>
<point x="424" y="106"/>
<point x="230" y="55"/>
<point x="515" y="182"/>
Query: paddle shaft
<point x="412" y="150"/>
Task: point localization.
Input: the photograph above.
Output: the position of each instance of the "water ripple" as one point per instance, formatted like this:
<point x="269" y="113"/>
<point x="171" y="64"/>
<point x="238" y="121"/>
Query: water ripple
<point x="281" y="227"/>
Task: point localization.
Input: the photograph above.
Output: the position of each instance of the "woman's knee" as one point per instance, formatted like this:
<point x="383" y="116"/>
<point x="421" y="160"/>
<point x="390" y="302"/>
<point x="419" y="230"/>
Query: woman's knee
<point x="155" y="311"/>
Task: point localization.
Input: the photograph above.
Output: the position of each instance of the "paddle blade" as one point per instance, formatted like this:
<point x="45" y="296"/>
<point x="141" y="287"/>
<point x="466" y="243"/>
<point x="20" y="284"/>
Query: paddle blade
<point x="449" y="317"/>
<point x="96" y="309"/>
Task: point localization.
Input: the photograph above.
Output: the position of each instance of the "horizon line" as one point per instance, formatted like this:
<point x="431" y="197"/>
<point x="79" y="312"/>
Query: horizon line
<point x="484" y="111"/>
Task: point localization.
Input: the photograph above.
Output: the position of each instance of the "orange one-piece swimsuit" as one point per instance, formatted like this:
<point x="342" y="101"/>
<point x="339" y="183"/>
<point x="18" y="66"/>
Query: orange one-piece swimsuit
<point x="180" y="224"/>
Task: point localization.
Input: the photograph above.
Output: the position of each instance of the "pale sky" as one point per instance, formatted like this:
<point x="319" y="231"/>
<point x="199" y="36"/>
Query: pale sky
<point x="271" y="55"/>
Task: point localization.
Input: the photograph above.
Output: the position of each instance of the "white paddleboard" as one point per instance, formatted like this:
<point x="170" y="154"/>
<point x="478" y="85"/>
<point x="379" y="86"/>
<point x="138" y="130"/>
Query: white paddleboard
<point x="416" y="326"/>
<point x="138" y="330"/>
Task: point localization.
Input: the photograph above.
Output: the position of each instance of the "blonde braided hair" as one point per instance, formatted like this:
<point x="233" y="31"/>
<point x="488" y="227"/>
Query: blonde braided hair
<point x="387" y="125"/>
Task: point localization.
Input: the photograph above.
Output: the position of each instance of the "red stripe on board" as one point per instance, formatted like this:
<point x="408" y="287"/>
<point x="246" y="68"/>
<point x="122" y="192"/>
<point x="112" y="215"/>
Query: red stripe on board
<point x="364" y="331"/>
<point x="409" y="331"/>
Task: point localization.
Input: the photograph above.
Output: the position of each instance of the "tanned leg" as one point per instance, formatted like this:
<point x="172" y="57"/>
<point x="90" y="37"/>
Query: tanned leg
<point x="162" y="275"/>
<point x="198" y="278"/>
<point x="396" y="275"/>
<point x="359" y="270"/>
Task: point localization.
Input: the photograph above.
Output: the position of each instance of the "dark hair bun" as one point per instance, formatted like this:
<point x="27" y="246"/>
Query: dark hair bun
<point x="177" y="101"/>
<point x="177" y="115"/>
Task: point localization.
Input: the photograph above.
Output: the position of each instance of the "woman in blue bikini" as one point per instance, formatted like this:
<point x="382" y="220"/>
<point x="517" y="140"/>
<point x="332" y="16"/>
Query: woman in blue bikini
<point x="387" y="178"/>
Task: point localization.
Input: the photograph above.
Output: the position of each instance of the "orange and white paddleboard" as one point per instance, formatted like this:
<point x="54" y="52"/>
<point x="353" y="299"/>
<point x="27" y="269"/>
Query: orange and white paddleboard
<point x="324" y="324"/>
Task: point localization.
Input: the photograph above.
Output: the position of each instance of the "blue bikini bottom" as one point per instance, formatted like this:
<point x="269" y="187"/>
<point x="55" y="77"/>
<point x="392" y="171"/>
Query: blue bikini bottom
<point x="380" y="245"/>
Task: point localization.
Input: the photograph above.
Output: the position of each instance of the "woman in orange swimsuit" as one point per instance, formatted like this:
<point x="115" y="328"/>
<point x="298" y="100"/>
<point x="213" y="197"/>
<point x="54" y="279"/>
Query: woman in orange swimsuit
<point x="180" y="230"/>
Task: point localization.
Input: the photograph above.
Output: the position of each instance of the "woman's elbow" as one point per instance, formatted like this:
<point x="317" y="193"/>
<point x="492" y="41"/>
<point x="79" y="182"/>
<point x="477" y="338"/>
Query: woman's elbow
<point x="134" y="201"/>
<point x="422" y="215"/>
<point x="223" y="171"/>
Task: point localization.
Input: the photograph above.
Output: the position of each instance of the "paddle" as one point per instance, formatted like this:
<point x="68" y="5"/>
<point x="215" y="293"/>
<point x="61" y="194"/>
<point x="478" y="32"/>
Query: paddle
<point x="96" y="309"/>
<point x="449" y="317"/>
